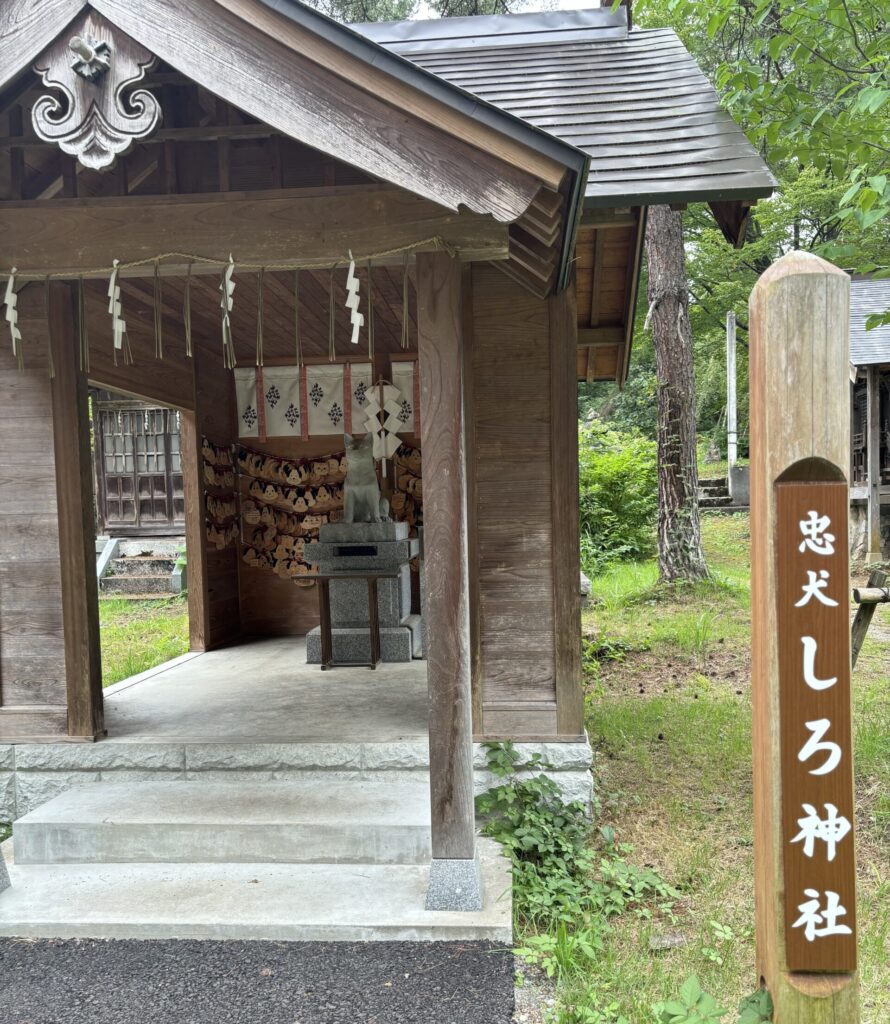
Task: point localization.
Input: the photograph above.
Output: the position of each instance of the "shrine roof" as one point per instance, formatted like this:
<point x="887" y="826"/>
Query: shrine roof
<point x="867" y="297"/>
<point x="634" y="101"/>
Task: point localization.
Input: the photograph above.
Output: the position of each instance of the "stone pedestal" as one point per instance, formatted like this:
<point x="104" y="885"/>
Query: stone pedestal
<point x="367" y="548"/>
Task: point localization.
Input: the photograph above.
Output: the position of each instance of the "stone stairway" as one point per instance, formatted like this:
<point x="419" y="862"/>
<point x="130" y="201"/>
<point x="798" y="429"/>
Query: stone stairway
<point x="310" y="860"/>
<point x="141" y="570"/>
<point x="714" y="493"/>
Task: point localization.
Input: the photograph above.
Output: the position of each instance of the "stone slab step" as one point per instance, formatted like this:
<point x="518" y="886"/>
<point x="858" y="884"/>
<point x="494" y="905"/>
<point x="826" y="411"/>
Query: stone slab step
<point x="278" y="902"/>
<point x="229" y="822"/>
<point x="135" y="585"/>
<point x="715" y="502"/>
<point x="157" y="547"/>
<point x="142" y="566"/>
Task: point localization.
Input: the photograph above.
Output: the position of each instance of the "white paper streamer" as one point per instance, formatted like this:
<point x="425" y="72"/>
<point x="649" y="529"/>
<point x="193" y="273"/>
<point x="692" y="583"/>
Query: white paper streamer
<point x="118" y="324"/>
<point x="227" y="287"/>
<point x="352" y="301"/>
<point x="12" y="316"/>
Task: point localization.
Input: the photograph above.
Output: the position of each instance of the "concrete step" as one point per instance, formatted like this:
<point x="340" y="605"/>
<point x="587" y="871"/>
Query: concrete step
<point x="715" y="502"/>
<point x="148" y="565"/>
<point x="135" y="585"/>
<point x="229" y="822"/>
<point x="718" y="482"/>
<point x="278" y="902"/>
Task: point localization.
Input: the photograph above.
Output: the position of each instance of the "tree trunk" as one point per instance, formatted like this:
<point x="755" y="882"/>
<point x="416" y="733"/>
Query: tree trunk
<point x="680" y="555"/>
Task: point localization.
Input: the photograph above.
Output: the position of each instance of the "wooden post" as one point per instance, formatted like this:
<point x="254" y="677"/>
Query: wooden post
<point x="805" y="887"/>
<point x="77" y="551"/>
<point x="873" y="451"/>
<point x="864" y="614"/>
<point x="454" y="876"/>
<point x="732" y="436"/>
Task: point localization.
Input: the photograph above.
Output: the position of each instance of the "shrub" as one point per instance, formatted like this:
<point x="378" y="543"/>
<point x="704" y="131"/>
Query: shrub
<point x="618" y="478"/>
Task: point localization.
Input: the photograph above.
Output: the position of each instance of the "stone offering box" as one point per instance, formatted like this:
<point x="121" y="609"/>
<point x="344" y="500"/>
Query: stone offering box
<point x="365" y="548"/>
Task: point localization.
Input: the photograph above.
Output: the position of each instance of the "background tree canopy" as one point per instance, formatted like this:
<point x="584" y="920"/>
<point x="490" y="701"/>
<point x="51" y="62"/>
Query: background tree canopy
<point x="809" y="81"/>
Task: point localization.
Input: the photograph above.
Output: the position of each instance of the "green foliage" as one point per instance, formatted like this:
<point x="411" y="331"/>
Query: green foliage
<point x="692" y="1006"/>
<point x="564" y="893"/>
<point x="618" y="481"/>
<point x="586" y="1004"/>
<point x="756" y="1008"/>
<point x="563" y="952"/>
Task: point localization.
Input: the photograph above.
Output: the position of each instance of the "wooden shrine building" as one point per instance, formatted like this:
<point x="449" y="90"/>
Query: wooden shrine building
<point x="870" y="425"/>
<point x="489" y="177"/>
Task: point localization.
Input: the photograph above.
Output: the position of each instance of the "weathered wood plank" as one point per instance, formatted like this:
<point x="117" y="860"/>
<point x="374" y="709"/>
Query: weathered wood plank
<point x="439" y="321"/>
<point x="34" y="723"/>
<point x="565" y="523"/>
<point x="470" y="448"/>
<point x="313" y="226"/>
<point x="74" y="488"/>
<point x="513" y="506"/>
<point x="26" y="27"/>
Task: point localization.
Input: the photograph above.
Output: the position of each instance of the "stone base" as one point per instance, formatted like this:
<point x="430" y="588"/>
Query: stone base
<point x="455" y="885"/>
<point x="349" y="601"/>
<point x="859" y="533"/>
<point x="397" y="643"/>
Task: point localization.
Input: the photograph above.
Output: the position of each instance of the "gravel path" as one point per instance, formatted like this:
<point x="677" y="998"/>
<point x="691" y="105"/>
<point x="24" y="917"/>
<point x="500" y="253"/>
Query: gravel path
<point x="80" y="981"/>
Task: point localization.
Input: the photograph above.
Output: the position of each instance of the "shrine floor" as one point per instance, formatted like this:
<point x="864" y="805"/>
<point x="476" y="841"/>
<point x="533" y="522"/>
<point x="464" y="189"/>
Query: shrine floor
<point x="264" y="692"/>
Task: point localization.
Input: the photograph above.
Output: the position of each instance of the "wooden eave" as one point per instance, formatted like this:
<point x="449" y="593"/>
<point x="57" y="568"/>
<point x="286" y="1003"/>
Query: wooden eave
<point x="607" y="271"/>
<point x="308" y="89"/>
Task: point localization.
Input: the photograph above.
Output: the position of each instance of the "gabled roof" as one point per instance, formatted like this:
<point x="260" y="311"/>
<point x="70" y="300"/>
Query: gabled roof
<point x="635" y="101"/>
<point x="867" y="297"/>
<point x="319" y="82"/>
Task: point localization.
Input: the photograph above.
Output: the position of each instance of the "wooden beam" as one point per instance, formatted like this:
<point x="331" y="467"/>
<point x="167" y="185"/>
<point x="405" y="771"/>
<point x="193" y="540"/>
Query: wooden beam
<point x="602" y="218"/>
<point x="77" y="553"/>
<point x="606" y="335"/>
<point x="873" y="453"/>
<point x="596" y="285"/>
<point x="311" y="225"/>
<point x="564" y="513"/>
<point x="440" y="318"/>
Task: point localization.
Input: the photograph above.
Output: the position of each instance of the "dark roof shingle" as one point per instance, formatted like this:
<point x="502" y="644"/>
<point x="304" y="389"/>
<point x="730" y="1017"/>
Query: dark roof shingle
<point x="636" y="102"/>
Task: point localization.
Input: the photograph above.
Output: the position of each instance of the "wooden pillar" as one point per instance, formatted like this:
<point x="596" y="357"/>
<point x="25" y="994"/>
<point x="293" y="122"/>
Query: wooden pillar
<point x="193" y="495"/>
<point x="566" y="545"/>
<point x="873" y="451"/>
<point x="440" y="345"/>
<point x="800" y="424"/>
<point x="77" y="551"/>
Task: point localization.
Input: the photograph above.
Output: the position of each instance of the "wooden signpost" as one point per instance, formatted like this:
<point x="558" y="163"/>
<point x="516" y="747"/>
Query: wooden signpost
<point x="805" y="858"/>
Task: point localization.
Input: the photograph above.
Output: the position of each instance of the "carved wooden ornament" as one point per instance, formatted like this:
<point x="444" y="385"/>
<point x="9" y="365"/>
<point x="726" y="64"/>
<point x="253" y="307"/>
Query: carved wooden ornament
<point x="96" y="120"/>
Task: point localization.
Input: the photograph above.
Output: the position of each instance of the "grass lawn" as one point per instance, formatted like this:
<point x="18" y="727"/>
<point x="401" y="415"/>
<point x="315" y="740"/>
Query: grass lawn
<point x="669" y="714"/>
<point x="137" y="635"/>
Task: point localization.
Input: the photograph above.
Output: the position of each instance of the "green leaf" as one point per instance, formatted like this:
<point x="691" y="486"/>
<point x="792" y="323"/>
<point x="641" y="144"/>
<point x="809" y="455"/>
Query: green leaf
<point x="690" y="991"/>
